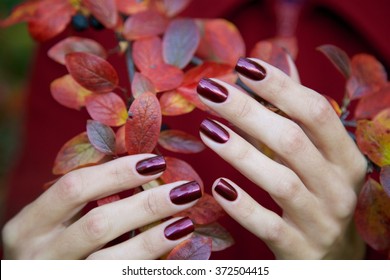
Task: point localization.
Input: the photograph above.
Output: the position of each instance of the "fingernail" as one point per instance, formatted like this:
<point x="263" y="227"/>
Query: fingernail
<point x="224" y="189"/>
<point x="151" y="166"/>
<point x="185" y="193"/>
<point x="250" y="69"/>
<point x="214" y="131"/>
<point x="212" y="90"/>
<point x="179" y="229"/>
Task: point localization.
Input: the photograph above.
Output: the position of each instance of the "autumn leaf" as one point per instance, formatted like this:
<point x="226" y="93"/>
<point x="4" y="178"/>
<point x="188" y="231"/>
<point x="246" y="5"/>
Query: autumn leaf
<point x="107" y="108"/>
<point x="172" y="7"/>
<point x="108" y="199"/>
<point x="179" y="170"/>
<point x="143" y="125"/>
<point x="338" y="57"/>
<point x="120" y="144"/>
<point x="66" y="91"/>
<point x="334" y="104"/>
<point x="92" y="72"/>
<point x="194" y="248"/>
<point x="129" y="7"/>
<point x="221" y="238"/>
<point x="20" y="13"/>
<point x="75" y="44"/>
<point x="174" y="104"/>
<point x="164" y="76"/>
<point x="373" y="138"/>
<point x="372" y="215"/>
<point x="104" y="11"/>
<point x="101" y="136"/>
<point x="180" y="42"/>
<point x="141" y="84"/>
<point x="385" y="179"/>
<point x="145" y="24"/>
<point x="180" y="142"/>
<point x="76" y="153"/>
<point x="220" y="41"/>
<point x="371" y="105"/>
<point x="147" y="53"/>
<point x="367" y="76"/>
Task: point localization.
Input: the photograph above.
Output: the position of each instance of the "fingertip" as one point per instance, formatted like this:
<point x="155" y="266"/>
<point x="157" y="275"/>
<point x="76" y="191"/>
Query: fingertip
<point x="224" y="188"/>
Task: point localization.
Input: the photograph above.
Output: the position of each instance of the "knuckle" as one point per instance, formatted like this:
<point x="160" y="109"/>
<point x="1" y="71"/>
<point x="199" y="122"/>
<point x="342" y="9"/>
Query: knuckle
<point x="70" y="187"/>
<point x="293" y="140"/>
<point x="345" y="206"/>
<point x="96" y="226"/>
<point x="321" y="110"/>
<point x="151" y="204"/>
<point x="287" y="188"/>
<point x="243" y="153"/>
<point x="244" y="108"/>
<point x="120" y="173"/>
<point x="148" y="246"/>
<point x="246" y="210"/>
<point x="275" y="232"/>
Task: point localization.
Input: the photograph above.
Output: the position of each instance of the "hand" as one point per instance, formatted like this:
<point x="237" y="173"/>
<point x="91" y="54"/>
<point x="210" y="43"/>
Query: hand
<point x="319" y="174"/>
<point x="50" y="227"/>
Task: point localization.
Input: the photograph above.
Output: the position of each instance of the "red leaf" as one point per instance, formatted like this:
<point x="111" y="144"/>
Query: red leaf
<point x="129" y="7"/>
<point x="141" y="84"/>
<point x="144" y="24"/>
<point x="120" y="145"/>
<point x="75" y="44"/>
<point x="45" y="25"/>
<point x="385" y="179"/>
<point x="20" y="13"/>
<point x="180" y="142"/>
<point x="372" y="104"/>
<point x="104" y="11"/>
<point x="69" y="93"/>
<point x="179" y="170"/>
<point x="180" y="42"/>
<point x="76" y="153"/>
<point x="164" y="76"/>
<point x="143" y="124"/>
<point x="368" y="76"/>
<point x="338" y="57"/>
<point x="108" y="199"/>
<point x="174" y="104"/>
<point x="372" y="216"/>
<point x="221" y="41"/>
<point x="147" y="53"/>
<point x="221" y="238"/>
<point x="101" y="136"/>
<point x="205" y="211"/>
<point x="173" y="7"/>
<point x="107" y="108"/>
<point x="92" y="72"/>
<point x="195" y="248"/>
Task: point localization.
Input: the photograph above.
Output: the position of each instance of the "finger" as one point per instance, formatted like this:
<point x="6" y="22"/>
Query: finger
<point x="105" y="223"/>
<point x="150" y="244"/>
<point x="307" y="107"/>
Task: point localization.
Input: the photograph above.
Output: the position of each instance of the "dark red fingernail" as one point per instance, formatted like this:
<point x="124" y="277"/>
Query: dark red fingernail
<point x="224" y="189"/>
<point x="151" y="166"/>
<point x="212" y="90"/>
<point x="185" y="193"/>
<point x="214" y="131"/>
<point x="179" y="229"/>
<point x="250" y="69"/>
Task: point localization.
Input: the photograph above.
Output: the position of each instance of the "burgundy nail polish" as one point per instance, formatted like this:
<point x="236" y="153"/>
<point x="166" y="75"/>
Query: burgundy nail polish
<point x="185" y="193"/>
<point x="151" y="166"/>
<point x="224" y="189"/>
<point x="250" y="69"/>
<point x="179" y="229"/>
<point x="214" y="131"/>
<point x="212" y="90"/>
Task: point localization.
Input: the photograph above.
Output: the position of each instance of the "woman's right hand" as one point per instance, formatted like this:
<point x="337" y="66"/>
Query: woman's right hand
<point x="51" y="227"/>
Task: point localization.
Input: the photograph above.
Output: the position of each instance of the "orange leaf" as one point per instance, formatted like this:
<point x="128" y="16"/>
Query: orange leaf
<point x="368" y="76"/>
<point x="164" y="76"/>
<point x="92" y="72"/>
<point x="107" y="108"/>
<point x="205" y="211"/>
<point x="120" y="145"/>
<point x="129" y="7"/>
<point x="69" y="93"/>
<point x="372" y="216"/>
<point x="338" y="57"/>
<point x="147" y="53"/>
<point x="173" y="104"/>
<point x="76" y="153"/>
<point x="180" y="142"/>
<point x="221" y="238"/>
<point x="385" y="179"/>
<point x="145" y="24"/>
<point x="172" y="7"/>
<point x="101" y="136"/>
<point x="108" y="199"/>
<point x="179" y="170"/>
<point x="221" y="41"/>
<point x="195" y="248"/>
<point x="75" y="44"/>
<point x="20" y="13"/>
<point x="335" y="105"/>
<point x="104" y="11"/>
<point x="143" y="125"/>
<point x="371" y="105"/>
<point x="141" y="84"/>
<point x="180" y="42"/>
<point x="373" y="138"/>
<point x="45" y="25"/>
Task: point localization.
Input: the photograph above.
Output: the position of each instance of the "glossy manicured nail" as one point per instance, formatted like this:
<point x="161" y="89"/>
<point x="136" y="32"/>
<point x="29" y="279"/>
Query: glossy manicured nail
<point x="214" y="131"/>
<point x="185" y="193"/>
<point x="151" y="166"/>
<point x="212" y="90"/>
<point x="179" y="229"/>
<point x="250" y="69"/>
<point x="224" y="189"/>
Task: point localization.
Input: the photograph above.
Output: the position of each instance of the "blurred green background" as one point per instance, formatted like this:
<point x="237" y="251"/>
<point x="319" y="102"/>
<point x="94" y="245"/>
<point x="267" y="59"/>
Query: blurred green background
<point x="16" y="49"/>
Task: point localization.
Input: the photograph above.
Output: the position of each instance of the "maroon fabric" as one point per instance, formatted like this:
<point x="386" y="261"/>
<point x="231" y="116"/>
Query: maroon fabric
<point x="355" y="26"/>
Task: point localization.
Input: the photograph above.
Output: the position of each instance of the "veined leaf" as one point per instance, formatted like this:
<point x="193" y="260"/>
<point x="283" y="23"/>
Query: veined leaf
<point x="101" y="136"/>
<point x="144" y="24"/>
<point x="221" y="238"/>
<point x="104" y="11"/>
<point x="195" y="248"/>
<point x="174" y="104"/>
<point x="180" y="142"/>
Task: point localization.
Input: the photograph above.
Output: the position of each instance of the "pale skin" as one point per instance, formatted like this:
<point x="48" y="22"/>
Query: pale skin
<point x="315" y="181"/>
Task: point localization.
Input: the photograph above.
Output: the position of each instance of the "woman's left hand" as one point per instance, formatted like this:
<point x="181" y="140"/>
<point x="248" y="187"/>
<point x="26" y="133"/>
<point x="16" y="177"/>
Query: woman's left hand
<point x="319" y="174"/>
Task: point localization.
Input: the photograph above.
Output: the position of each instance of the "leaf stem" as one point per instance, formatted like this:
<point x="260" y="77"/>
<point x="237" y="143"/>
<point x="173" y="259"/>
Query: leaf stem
<point x="130" y="62"/>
